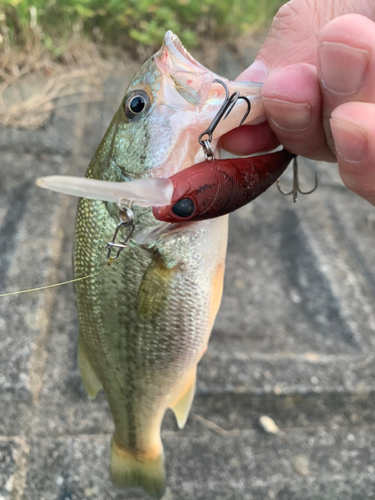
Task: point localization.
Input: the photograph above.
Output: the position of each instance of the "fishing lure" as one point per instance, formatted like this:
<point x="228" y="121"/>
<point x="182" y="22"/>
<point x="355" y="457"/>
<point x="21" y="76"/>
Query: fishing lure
<point x="214" y="188"/>
<point x="209" y="189"/>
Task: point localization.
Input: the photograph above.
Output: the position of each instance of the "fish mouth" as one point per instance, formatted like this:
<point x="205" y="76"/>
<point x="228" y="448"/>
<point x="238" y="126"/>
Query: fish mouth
<point x="194" y="97"/>
<point x="189" y="78"/>
<point x="198" y="86"/>
<point x="173" y="44"/>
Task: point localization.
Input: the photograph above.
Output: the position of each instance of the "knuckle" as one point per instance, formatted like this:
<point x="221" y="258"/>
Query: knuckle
<point x="285" y="20"/>
<point x="293" y="25"/>
<point x="287" y="12"/>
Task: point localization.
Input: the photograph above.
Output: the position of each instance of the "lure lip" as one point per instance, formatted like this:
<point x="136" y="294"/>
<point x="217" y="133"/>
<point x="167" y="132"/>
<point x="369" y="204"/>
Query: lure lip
<point x="148" y="192"/>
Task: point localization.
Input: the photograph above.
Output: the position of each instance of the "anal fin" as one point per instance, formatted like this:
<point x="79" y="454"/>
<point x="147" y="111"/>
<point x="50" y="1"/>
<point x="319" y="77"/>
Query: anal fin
<point x="181" y="407"/>
<point x="90" y="380"/>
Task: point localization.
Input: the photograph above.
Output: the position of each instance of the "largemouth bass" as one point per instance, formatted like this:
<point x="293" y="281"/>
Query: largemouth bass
<point x="145" y="322"/>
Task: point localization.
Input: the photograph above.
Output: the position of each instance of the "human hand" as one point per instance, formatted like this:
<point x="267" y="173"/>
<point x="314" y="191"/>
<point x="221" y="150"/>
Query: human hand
<point x="319" y="92"/>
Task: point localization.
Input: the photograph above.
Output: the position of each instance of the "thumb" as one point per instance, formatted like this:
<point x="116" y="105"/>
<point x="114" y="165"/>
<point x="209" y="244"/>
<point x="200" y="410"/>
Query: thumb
<point x="287" y="65"/>
<point x="294" y="33"/>
<point x="291" y="39"/>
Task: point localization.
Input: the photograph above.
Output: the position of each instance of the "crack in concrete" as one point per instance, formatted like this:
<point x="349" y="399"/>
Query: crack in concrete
<point x="44" y="314"/>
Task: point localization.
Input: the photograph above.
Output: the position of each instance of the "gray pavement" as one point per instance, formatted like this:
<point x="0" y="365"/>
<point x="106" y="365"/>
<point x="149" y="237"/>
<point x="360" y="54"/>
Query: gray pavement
<point x="294" y="340"/>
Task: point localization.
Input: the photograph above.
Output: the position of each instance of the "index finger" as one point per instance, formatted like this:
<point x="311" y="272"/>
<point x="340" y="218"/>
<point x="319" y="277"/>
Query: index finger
<point x="346" y="66"/>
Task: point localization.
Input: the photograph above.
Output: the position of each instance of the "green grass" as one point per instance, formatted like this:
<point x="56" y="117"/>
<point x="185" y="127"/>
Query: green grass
<point x="125" y="23"/>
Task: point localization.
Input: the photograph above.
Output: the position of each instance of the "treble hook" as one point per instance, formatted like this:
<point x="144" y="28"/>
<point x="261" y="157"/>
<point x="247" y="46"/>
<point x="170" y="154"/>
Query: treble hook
<point x="225" y="109"/>
<point x="127" y="220"/>
<point x="296" y="189"/>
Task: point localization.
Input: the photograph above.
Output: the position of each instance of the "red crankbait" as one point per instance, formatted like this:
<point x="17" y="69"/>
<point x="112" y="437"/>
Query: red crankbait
<point x="205" y="190"/>
<point x="217" y="187"/>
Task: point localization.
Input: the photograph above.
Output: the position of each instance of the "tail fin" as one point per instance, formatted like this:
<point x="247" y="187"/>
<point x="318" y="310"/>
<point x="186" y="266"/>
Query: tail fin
<point x="127" y="470"/>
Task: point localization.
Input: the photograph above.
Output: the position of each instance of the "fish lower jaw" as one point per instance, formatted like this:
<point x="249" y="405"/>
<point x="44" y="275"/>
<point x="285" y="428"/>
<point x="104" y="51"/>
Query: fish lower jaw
<point x="165" y="229"/>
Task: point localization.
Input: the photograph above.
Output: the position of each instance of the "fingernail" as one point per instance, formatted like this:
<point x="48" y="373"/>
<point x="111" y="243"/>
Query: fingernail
<point x="256" y="72"/>
<point x="350" y="142"/>
<point x="343" y="67"/>
<point x="289" y="116"/>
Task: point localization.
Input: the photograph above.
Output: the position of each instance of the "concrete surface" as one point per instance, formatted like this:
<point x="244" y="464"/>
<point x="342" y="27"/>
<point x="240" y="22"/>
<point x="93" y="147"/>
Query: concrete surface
<point x="294" y="340"/>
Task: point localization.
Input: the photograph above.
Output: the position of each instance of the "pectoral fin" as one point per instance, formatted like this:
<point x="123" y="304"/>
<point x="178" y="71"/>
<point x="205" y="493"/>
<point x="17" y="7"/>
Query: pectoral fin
<point x="90" y="380"/>
<point x="156" y="288"/>
<point x="182" y="405"/>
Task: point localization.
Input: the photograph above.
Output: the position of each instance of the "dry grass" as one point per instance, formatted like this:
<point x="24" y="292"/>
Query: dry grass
<point x="32" y="85"/>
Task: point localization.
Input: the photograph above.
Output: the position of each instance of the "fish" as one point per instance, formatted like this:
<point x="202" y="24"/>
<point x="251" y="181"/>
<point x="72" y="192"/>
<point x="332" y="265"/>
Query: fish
<point x="144" y="323"/>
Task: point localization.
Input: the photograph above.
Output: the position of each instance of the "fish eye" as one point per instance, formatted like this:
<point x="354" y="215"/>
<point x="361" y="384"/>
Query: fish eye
<point x="184" y="207"/>
<point x="136" y="103"/>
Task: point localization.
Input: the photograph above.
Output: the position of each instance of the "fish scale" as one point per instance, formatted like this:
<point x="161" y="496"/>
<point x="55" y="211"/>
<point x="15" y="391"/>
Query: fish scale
<point x="184" y="295"/>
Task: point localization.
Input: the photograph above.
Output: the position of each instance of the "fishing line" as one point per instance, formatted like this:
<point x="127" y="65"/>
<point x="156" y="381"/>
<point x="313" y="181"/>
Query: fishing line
<point x="58" y="284"/>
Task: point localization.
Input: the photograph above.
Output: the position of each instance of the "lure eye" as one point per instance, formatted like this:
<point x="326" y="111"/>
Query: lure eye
<point x="184" y="207"/>
<point x="136" y="103"/>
